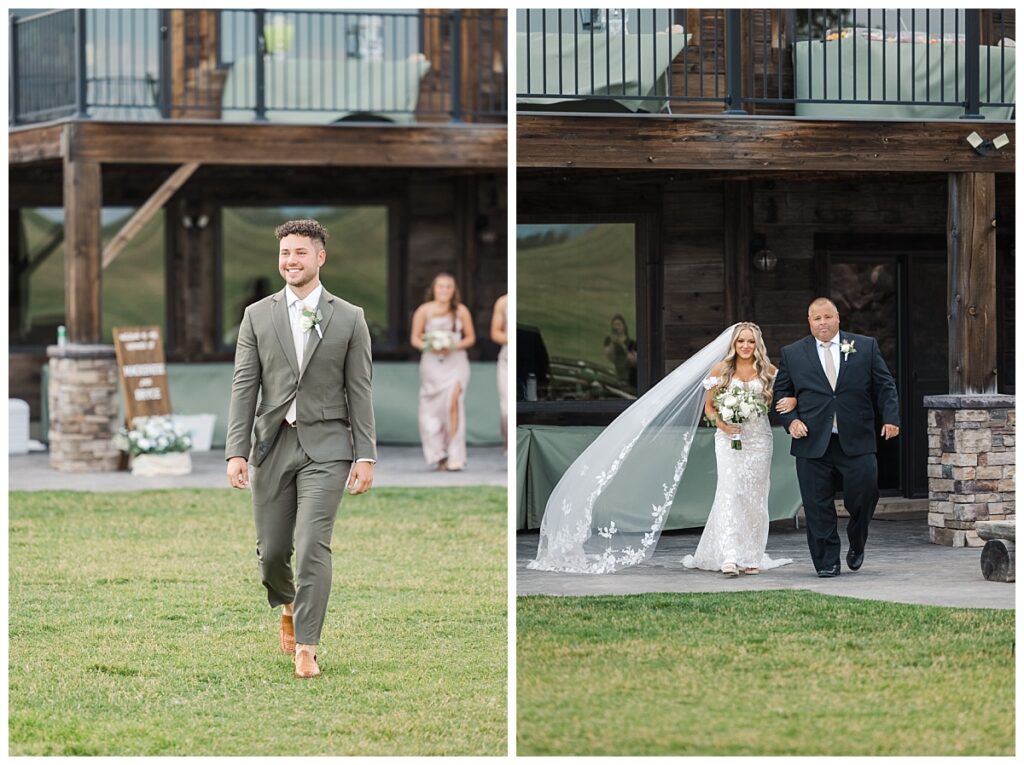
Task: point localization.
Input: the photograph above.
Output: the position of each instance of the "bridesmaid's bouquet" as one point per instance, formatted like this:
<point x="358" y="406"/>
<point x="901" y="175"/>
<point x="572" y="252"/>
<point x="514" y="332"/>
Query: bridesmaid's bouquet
<point x="737" y="406"/>
<point x="437" y="340"/>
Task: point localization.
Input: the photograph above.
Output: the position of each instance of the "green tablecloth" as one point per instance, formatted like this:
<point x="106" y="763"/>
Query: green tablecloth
<point x="624" y="64"/>
<point x="544" y="453"/>
<point x="913" y="73"/>
<point x="302" y="90"/>
<point x="206" y="389"/>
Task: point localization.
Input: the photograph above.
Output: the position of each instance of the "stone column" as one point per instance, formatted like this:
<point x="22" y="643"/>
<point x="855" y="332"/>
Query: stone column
<point x="970" y="465"/>
<point x="82" y="398"/>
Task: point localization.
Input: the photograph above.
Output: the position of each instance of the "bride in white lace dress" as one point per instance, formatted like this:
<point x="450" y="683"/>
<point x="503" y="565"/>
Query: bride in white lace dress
<point x="608" y="509"/>
<point x="736" y="532"/>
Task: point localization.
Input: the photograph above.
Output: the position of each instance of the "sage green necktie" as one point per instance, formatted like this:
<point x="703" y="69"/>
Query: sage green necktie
<point x="830" y="373"/>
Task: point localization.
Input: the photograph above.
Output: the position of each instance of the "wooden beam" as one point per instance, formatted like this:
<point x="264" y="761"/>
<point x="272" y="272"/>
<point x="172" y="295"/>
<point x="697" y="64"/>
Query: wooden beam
<point x="82" y="271"/>
<point x="143" y="215"/>
<point x="971" y="241"/>
<point x="463" y="145"/>
<point x="751" y="143"/>
<point x="736" y="205"/>
<point x="34" y="144"/>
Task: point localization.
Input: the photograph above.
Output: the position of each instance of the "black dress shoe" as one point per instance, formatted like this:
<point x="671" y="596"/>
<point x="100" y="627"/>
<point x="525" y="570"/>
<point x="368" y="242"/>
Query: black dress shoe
<point x="854" y="559"/>
<point x="827" y="572"/>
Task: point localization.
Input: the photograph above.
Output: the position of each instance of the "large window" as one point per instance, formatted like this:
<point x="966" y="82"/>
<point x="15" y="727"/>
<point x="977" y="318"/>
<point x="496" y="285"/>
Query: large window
<point x="133" y="284"/>
<point x="576" y="312"/>
<point x="356" y="267"/>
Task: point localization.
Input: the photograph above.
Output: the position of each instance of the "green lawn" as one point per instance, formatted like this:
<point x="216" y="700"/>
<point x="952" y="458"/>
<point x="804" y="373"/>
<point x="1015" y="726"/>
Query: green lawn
<point x="138" y="626"/>
<point x="764" y="673"/>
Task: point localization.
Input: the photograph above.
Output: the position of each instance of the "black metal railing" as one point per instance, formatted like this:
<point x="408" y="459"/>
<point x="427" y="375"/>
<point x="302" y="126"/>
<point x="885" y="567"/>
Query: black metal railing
<point x="937" y="64"/>
<point x="242" y="65"/>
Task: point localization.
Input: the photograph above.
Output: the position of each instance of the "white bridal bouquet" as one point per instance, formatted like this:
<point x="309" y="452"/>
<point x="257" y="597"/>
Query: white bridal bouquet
<point x="737" y="406"/>
<point x="437" y="340"/>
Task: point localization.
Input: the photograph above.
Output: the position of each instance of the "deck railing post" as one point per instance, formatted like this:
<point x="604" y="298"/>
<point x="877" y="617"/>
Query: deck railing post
<point x="164" y="87"/>
<point x="14" y="69"/>
<point x="81" y="82"/>
<point x="733" y="63"/>
<point x="456" y="66"/>
<point x="261" y="64"/>
<point x="972" y="65"/>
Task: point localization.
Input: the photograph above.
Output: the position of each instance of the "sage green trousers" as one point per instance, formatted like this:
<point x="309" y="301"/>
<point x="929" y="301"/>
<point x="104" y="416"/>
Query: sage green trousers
<point x="295" y="501"/>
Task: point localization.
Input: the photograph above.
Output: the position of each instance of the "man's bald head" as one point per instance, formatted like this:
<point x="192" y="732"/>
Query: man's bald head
<point x="820" y="302"/>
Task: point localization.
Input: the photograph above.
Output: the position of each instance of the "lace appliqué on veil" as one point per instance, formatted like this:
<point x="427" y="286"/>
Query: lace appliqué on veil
<point x="572" y="538"/>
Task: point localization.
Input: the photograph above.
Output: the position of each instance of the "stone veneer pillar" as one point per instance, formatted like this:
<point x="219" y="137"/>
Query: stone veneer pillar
<point x="82" y="399"/>
<point x="970" y="465"/>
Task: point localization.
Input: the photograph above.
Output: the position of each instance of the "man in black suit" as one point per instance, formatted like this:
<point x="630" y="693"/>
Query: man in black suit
<point x="840" y="380"/>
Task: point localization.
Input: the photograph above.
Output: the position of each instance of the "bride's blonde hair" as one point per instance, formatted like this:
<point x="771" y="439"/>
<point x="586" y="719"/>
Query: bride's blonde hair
<point x="762" y="365"/>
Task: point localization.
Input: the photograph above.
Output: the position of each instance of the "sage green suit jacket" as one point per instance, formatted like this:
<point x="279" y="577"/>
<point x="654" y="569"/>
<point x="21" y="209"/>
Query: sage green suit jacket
<point x="333" y="390"/>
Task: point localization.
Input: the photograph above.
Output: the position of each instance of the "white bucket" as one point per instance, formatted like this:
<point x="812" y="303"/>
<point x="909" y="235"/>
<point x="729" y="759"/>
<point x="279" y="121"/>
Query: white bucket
<point x="200" y="427"/>
<point x="17" y="426"/>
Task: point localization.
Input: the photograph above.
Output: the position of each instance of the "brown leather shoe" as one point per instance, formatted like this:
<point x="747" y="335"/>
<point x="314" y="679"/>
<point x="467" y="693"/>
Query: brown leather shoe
<point x="305" y="665"/>
<point x="287" y="634"/>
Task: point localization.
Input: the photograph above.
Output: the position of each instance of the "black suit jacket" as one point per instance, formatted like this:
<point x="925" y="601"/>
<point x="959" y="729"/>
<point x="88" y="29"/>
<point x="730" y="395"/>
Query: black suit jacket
<point x="864" y="385"/>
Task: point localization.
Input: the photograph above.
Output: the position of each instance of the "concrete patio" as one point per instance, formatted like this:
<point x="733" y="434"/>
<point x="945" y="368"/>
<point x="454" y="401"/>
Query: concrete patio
<point x="397" y="466"/>
<point x="900" y="565"/>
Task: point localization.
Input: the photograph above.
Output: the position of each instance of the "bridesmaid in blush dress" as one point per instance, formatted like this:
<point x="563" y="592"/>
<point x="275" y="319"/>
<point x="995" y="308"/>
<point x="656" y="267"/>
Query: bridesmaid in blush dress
<point x="499" y="334"/>
<point x="444" y="373"/>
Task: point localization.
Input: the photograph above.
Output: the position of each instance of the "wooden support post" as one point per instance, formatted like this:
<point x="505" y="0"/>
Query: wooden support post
<point x="971" y="303"/>
<point x="738" y="232"/>
<point x="193" y="283"/>
<point x="17" y="290"/>
<point x="82" y="259"/>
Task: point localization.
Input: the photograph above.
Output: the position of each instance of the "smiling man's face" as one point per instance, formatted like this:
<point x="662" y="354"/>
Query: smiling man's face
<point x="299" y="260"/>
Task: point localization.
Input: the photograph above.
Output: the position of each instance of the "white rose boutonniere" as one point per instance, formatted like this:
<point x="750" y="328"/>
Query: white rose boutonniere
<point x="846" y="348"/>
<point x="311" y="320"/>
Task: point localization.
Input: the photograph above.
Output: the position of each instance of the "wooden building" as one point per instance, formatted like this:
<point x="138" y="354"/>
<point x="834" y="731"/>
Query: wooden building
<point x="189" y="121"/>
<point x="746" y="199"/>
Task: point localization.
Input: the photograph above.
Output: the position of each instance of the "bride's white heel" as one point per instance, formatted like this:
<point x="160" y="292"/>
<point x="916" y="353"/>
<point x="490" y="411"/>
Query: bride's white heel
<point x="729" y="569"/>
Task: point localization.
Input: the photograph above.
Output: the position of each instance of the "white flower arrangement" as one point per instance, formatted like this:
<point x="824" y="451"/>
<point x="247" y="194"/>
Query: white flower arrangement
<point x="154" y="435"/>
<point x="846" y="348"/>
<point x="737" y="406"/>
<point x="437" y="340"/>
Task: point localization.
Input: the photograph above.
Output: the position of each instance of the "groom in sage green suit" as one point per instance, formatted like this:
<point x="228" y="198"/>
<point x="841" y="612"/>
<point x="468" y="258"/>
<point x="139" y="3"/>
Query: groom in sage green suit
<point x="301" y="416"/>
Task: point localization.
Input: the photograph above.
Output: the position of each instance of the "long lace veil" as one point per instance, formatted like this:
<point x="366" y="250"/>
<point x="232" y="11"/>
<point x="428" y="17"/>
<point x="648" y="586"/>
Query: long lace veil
<point x="609" y="507"/>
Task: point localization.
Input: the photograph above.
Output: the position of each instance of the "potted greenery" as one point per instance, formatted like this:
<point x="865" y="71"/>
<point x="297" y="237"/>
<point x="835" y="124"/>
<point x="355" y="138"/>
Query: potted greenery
<point x="158" y="446"/>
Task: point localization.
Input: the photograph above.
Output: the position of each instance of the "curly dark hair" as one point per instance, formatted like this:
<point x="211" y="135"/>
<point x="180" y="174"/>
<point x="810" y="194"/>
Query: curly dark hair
<point x="304" y="227"/>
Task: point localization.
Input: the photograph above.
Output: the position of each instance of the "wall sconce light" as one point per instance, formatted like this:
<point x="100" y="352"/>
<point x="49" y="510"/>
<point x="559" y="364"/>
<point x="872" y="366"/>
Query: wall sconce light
<point x="763" y="258"/>
<point x="985" y="148"/>
<point x="201" y="222"/>
<point x="485" y="231"/>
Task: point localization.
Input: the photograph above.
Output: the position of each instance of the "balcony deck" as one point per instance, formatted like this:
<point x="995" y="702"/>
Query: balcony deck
<point x="858" y="64"/>
<point x="244" y="66"/>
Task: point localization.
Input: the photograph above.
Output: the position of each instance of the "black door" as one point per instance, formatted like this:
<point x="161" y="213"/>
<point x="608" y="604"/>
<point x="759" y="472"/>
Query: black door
<point x="899" y="299"/>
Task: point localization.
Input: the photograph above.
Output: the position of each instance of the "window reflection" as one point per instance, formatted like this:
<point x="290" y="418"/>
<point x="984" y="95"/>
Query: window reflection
<point x="576" y="309"/>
